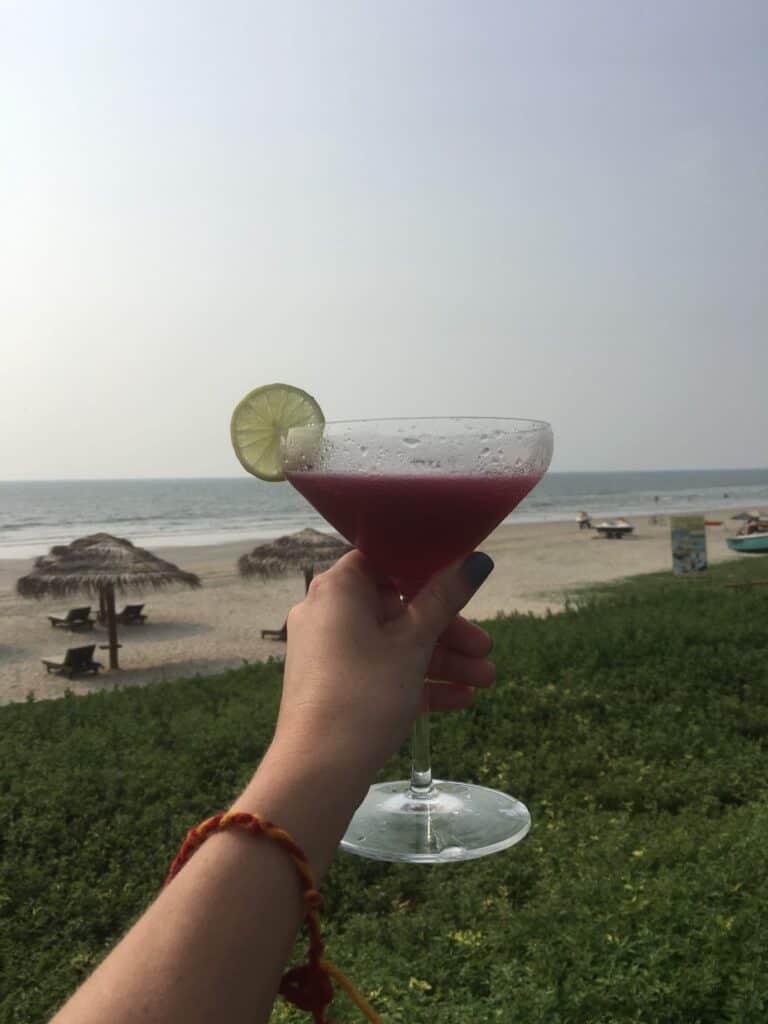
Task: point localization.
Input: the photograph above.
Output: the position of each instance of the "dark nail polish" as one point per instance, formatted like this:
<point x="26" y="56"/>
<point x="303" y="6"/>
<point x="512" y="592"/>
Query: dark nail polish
<point x="477" y="567"/>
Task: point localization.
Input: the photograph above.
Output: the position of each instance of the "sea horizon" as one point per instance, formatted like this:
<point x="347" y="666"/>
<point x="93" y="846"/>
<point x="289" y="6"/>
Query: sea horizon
<point x="192" y="511"/>
<point x="241" y="476"/>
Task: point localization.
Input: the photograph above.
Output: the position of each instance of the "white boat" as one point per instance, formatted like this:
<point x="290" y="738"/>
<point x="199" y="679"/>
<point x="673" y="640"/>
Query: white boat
<point x="614" y="529"/>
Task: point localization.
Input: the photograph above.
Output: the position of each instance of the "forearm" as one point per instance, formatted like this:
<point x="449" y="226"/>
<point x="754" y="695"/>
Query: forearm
<point x="214" y="944"/>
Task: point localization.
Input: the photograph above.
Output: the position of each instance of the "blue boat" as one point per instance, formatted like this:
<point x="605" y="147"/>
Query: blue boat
<point x="751" y="544"/>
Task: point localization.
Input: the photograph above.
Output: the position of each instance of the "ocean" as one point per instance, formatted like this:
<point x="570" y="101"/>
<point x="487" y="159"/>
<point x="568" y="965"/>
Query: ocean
<point x="36" y="515"/>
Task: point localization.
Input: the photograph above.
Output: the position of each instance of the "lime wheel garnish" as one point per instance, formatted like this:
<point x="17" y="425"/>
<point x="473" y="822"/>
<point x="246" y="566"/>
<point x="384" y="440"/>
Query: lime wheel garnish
<point x="263" y="418"/>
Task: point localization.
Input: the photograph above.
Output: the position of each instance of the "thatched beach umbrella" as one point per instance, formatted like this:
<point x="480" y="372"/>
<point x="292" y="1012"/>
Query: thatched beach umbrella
<point x="307" y="551"/>
<point x="100" y="565"/>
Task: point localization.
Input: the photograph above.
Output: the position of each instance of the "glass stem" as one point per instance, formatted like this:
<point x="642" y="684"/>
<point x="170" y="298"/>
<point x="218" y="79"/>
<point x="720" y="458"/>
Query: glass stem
<point x="421" y="764"/>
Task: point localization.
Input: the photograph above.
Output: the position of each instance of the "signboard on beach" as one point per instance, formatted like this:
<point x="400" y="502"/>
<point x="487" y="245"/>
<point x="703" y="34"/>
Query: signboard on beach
<point x="689" y="545"/>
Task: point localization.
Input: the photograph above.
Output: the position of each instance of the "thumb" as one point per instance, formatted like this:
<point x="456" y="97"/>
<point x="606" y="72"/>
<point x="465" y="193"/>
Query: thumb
<point x="437" y="604"/>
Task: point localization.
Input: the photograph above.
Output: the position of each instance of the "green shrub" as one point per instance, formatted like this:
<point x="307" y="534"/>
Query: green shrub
<point x="634" y="726"/>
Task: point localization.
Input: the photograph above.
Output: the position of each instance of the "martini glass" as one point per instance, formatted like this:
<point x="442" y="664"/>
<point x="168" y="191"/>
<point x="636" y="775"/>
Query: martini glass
<point x="415" y="496"/>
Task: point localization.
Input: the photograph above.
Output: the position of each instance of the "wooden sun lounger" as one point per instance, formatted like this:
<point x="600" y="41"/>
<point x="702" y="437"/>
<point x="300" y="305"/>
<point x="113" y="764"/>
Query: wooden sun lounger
<point x="77" y="661"/>
<point x="75" y="618"/>
<point x="131" y="615"/>
<point x="276" y="634"/>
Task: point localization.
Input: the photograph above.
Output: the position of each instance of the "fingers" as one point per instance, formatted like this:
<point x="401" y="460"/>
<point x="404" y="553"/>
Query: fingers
<point x="462" y="636"/>
<point x="446" y="696"/>
<point x="448" y="666"/>
<point x="352" y="563"/>
<point x="465" y="637"/>
<point x="350" y="584"/>
<point x="390" y="604"/>
<point x="434" y="608"/>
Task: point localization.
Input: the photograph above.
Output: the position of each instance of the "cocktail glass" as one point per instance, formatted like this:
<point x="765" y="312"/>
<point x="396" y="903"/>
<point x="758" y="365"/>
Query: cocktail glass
<point x="415" y="496"/>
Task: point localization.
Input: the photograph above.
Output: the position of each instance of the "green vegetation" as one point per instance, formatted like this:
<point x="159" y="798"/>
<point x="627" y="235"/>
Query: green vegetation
<point x="633" y="725"/>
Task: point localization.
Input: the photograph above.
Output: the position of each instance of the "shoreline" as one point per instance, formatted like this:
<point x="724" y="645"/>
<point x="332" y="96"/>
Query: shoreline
<point x="269" y="528"/>
<point x="220" y="539"/>
<point x="219" y="626"/>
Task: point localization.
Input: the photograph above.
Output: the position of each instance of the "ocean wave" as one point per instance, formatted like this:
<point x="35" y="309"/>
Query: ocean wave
<point x="151" y="513"/>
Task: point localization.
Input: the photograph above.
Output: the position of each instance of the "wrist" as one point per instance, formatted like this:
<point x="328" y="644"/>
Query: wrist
<point x="327" y="753"/>
<point x="310" y="795"/>
<point x="329" y="772"/>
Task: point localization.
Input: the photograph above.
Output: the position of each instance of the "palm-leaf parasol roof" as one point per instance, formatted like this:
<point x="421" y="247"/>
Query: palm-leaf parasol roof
<point x="100" y="565"/>
<point x="94" y="563"/>
<point x="297" y="552"/>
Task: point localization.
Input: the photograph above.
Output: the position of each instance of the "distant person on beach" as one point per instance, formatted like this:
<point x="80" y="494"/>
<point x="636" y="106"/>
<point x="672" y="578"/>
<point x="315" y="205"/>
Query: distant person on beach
<point x="214" y="944"/>
<point x="584" y="521"/>
<point x="752" y="525"/>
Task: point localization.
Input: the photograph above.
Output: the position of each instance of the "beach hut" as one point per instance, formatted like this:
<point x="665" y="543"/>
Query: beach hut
<point x="100" y="565"/>
<point x="307" y="551"/>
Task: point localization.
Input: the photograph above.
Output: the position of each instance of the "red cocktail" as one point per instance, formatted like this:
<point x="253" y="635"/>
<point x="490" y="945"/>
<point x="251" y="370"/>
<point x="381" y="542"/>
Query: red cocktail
<point x="409" y="526"/>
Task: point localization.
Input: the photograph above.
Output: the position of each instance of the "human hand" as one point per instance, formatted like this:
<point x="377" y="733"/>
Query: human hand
<point x="357" y="660"/>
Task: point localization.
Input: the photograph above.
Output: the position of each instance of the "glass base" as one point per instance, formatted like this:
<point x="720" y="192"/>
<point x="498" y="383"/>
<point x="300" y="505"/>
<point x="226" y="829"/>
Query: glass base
<point x="449" y="822"/>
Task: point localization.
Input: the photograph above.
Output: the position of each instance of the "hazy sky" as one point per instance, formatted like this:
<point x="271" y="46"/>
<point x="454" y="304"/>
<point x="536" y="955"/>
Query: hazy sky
<point x="407" y="207"/>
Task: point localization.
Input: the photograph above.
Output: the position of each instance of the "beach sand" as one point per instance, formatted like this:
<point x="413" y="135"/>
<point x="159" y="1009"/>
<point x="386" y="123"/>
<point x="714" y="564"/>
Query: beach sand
<point x="218" y="627"/>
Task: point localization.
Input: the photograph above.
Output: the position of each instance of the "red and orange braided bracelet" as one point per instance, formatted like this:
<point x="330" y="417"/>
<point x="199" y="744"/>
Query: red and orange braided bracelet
<point x="309" y="987"/>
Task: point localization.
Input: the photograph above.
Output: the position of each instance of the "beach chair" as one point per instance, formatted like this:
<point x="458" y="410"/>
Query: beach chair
<point x="75" y="618"/>
<point x="276" y="634"/>
<point x="77" y="661"/>
<point x="131" y="615"/>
